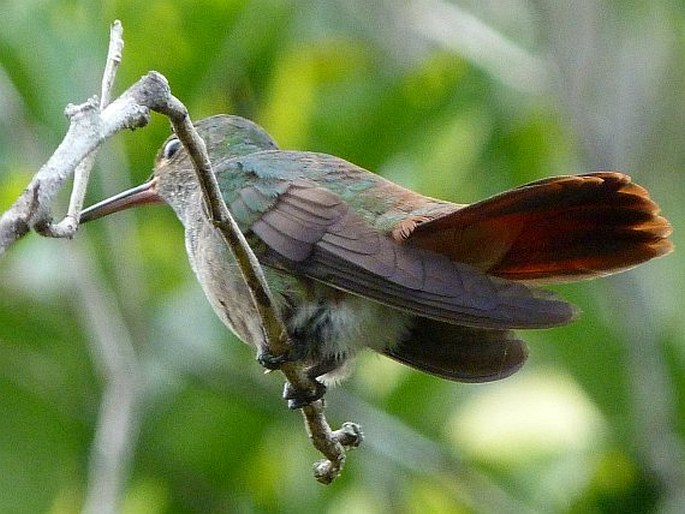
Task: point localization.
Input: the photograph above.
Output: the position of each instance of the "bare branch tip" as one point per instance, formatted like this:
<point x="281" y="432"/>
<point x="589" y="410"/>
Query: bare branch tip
<point x="350" y="435"/>
<point x="116" y="32"/>
<point x="326" y="471"/>
<point x="116" y="38"/>
<point x="156" y="76"/>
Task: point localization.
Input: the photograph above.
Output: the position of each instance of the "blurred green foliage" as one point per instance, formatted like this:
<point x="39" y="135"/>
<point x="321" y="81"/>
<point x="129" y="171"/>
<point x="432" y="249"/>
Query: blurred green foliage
<point x="595" y="421"/>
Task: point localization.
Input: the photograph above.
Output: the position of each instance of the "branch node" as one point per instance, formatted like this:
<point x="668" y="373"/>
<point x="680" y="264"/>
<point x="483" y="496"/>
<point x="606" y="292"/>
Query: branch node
<point x="64" y="229"/>
<point x="139" y="117"/>
<point x="74" y="112"/>
<point x="326" y="471"/>
<point x="350" y="435"/>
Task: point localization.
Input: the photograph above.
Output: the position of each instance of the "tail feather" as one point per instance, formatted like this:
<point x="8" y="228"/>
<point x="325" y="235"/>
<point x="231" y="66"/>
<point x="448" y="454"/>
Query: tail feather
<point x="554" y="230"/>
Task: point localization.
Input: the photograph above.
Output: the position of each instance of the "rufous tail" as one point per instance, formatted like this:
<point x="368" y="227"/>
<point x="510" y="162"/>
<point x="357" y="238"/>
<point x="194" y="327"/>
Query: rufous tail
<point x="554" y="230"/>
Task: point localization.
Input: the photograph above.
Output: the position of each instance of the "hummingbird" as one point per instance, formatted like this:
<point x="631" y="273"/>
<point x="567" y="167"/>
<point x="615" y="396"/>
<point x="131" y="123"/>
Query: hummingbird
<point x="355" y="261"/>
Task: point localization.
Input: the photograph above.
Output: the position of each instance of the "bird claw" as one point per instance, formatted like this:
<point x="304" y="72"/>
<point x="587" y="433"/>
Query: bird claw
<point x="298" y="398"/>
<point x="273" y="362"/>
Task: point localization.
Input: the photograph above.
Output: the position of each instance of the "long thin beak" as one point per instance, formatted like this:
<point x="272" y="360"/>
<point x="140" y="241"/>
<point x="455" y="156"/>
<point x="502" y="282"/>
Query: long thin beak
<point x="142" y="194"/>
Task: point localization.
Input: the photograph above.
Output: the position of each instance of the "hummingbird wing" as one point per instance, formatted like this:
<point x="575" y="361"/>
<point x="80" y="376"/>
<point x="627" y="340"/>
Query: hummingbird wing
<point x="311" y="230"/>
<point x="464" y="354"/>
<point x="554" y="230"/>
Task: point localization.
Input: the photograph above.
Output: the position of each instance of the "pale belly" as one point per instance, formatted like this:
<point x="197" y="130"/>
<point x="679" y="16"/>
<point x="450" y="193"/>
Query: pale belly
<point x="329" y="324"/>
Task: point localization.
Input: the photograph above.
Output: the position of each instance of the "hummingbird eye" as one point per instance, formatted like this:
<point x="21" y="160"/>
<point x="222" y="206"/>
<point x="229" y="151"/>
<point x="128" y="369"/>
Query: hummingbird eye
<point x="171" y="148"/>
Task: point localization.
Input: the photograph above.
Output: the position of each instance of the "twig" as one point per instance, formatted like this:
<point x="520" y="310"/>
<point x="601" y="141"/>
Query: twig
<point x="114" y="54"/>
<point x="331" y="444"/>
<point x="275" y="334"/>
<point x="68" y="226"/>
<point x="89" y="128"/>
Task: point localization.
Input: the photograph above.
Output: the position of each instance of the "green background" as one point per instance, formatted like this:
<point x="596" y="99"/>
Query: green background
<point x="115" y="376"/>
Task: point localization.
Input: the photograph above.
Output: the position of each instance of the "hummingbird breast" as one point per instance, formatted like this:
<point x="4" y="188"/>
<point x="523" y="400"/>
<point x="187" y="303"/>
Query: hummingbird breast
<point x="221" y="280"/>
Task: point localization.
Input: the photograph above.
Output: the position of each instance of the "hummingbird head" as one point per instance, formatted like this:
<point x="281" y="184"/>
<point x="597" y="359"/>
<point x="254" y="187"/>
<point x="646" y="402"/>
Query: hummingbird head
<point x="173" y="180"/>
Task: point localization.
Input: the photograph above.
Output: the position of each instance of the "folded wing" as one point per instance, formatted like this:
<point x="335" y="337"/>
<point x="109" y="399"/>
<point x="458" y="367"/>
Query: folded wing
<point x="310" y="230"/>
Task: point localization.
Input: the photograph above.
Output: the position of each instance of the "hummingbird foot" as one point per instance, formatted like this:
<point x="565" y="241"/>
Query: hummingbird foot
<point x="274" y="362"/>
<point x="298" y="398"/>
